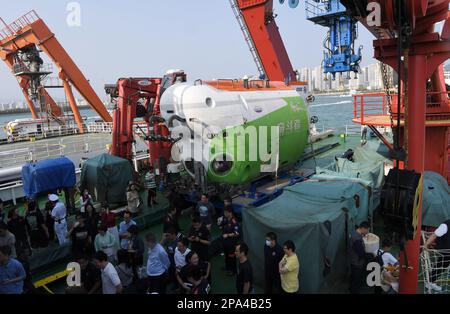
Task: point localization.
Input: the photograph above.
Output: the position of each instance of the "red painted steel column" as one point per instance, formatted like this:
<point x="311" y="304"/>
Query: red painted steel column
<point x="115" y="133"/>
<point x="73" y="104"/>
<point x="416" y="161"/>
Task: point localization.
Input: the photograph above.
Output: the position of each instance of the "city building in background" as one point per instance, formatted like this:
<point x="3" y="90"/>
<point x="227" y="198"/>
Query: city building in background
<point x="369" y="79"/>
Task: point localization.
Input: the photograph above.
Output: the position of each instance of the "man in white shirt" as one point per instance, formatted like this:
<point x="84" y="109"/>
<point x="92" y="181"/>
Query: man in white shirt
<point x="59" y="214"/>
<point x="110" y="279"/>
<point x="390" y="268"/>
<point x="439" y="240"/>
<point x="124" y="235"/>
<point x="388" y="258"/>
<point x="181" y="252"/>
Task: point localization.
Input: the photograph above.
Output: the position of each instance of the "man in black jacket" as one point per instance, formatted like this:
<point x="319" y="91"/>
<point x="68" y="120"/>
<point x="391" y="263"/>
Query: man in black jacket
<point x="358" y="257"/>
<point x="273" y="253"/>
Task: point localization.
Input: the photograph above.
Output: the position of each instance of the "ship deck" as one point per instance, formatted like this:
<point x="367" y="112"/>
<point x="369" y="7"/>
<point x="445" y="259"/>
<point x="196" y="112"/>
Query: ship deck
<point x="151" y="221"/>
<point x="75" y="147"/>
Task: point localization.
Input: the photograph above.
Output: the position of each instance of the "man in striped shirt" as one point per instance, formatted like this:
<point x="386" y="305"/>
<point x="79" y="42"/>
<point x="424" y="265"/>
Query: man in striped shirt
<point x="150" y="184"/>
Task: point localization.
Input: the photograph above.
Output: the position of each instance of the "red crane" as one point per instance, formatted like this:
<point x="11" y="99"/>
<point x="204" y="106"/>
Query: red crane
<point x="425" y="114"/>
<point x="257" y="22"/>
<point x="20" y="42"/>
<point x="140" y="98"/>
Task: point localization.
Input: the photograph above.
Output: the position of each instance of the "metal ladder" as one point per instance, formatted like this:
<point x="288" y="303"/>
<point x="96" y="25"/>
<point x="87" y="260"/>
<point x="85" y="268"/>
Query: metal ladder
<point x="247" y="37"/>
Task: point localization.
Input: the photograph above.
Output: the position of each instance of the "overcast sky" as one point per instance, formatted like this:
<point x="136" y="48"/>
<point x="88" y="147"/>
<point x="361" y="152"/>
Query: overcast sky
<point x="147" y="37"/>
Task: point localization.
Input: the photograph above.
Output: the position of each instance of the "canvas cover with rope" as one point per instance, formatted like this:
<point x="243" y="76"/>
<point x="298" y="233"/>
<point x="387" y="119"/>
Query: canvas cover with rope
<point x="48" y="176"/>
<point x="368" y="164"/>
<point x="106" y="177"/>
<point x="317" y="215"/>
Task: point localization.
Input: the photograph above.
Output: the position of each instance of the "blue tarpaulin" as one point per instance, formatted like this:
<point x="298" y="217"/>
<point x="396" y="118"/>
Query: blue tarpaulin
<point x="48" y="176"/>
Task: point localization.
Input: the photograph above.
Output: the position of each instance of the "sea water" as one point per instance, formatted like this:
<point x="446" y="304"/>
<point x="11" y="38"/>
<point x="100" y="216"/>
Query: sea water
<point x="334" y="112"/>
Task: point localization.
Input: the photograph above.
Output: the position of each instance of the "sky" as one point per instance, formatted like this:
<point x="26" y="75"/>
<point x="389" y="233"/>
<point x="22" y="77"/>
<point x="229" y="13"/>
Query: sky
<point x="148" y="37"/>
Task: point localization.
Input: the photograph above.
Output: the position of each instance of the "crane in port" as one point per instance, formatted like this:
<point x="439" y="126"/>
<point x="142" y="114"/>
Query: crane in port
<point x="407" y="41"/>
<point x="21" y="44"/>
<point x="257" y="20"/>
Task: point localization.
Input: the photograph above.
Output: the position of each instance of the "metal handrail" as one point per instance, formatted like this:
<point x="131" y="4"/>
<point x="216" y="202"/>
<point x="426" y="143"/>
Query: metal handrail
<point x="352" y="129"/>
<point x="233" y="81"/>
<point x="314" y="9"/>
<point x="52" y="82"/>
<point x="63" y="147"/>
<point x="376" y="104"/>
<point x="247" y="36"/>
<point x="62" y="130"/>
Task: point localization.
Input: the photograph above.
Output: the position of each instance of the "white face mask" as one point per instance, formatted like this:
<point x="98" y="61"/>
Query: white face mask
<point x="268" y="243"/>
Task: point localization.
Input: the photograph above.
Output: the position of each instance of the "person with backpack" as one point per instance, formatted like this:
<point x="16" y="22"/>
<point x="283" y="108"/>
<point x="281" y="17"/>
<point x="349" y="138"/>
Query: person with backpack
<point x="389" y="266"/>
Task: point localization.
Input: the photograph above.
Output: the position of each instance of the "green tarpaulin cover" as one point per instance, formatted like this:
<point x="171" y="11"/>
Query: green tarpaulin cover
<point x="318" y="216"/>
<point x="106" y="177"/>
<point x="368" y="164"/>
<point x="436" y="199"/>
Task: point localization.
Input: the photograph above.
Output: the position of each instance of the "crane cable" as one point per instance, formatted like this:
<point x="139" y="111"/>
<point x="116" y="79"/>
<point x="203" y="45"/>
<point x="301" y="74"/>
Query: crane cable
<point x="399" y="153"/>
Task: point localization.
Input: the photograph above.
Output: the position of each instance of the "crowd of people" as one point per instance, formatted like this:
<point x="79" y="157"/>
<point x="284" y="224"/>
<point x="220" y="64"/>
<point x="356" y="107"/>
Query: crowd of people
<point x="179" y="262"/>
<point x="114" y="258"/>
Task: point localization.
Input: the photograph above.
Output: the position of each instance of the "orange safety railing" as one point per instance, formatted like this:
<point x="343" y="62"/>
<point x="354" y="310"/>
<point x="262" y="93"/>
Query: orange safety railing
<point x="17" y="25"/>
<point x="370" y="105"/>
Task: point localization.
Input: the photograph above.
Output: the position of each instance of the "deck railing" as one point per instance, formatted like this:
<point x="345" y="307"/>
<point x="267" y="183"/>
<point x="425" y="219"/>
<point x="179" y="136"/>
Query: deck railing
<point x="367" y="105"/>
<point x="70" y="128"/>
<point x="18" y="154"/>
<point x="10" y="29"/>
<point x="352" y="129"/>
<point x="314" y="9"/>
<point x="376" y="104"/>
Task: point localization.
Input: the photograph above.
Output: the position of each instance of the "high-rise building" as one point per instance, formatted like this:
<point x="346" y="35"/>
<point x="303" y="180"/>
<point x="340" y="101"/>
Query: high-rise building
<point x="370" y="77"/>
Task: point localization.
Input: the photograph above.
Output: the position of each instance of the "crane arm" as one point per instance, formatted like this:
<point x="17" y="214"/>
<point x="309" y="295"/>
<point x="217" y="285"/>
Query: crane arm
<point x="30" y="31"/>
<point x="259" y="20"/>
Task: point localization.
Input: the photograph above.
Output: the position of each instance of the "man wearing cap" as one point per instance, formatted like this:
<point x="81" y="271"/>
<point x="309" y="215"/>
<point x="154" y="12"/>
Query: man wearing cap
<point x="59" y="214"/>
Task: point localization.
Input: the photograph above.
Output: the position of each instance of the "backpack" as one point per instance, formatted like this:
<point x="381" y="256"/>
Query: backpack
<point x="379" y="258"/>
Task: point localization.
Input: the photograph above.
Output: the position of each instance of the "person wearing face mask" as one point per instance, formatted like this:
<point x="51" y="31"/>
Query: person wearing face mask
<point x="273" y="253"/>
